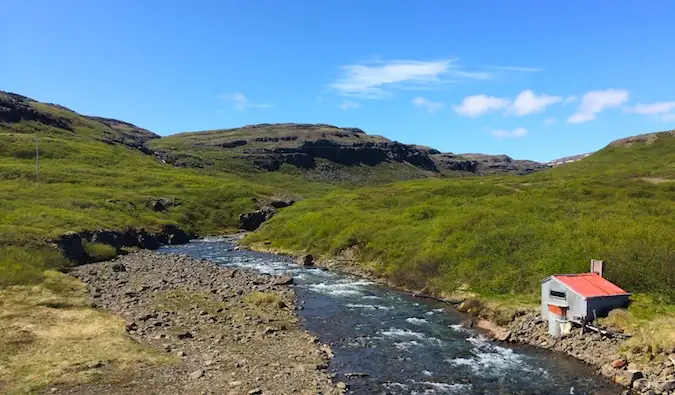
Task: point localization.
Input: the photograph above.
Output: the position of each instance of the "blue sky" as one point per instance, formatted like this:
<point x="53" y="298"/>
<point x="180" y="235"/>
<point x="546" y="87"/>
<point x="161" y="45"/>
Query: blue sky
<point x="532" y="79"/>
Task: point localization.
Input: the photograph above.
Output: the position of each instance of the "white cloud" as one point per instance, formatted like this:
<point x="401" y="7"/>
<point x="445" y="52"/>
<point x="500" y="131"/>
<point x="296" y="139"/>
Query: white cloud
<point x="595" y="102"/>
<point x="475" y="106"/>
<point x="349" y="105"/>
<point x="375" y="80"/>
<point x="527" y="102"/>
<point x="569" y="99"/>
<point x="580" y="117"/>
<point x="550" y="121"/>
<point x="514" y="68"/>
<point x="654" y="108"/>
<point x="240" y="103"/>
<point x="430" y="106"/>
<point x="503" y="134"/>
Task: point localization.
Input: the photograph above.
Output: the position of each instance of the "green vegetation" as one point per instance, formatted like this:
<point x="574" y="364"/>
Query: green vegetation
<point x="98" y="252"/>
<point x="93" y="175"/>
<point x="502" y="235"/>
<point x="21" y="266"/>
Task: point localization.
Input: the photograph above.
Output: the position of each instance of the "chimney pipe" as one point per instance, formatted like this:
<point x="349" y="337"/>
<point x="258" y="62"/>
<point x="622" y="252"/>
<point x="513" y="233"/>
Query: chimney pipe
<point x="597" y="266"/>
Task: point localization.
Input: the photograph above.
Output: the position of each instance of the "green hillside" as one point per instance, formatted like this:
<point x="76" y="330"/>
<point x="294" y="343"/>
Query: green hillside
<point x="504" y="234"/>
<point x="95" y="173"/>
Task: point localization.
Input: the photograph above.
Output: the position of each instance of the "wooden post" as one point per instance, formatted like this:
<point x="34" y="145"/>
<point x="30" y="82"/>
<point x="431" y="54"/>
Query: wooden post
<point x="37" y="164"/>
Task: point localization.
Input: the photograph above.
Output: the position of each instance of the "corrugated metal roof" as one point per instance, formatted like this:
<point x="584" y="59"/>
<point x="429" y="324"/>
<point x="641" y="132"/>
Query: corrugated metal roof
<point x="590" y="285"/>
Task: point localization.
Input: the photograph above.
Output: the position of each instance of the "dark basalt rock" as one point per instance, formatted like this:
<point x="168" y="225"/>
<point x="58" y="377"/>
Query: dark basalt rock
<point x="15" y="108"/>
<point x="349" y="154"/>
<point x="252" y="221"/>
<point x="71" y="244"/>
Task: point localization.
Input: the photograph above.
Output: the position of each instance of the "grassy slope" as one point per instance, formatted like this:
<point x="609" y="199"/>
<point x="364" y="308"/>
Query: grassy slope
<point x="87" y="183"/>
<point x="503" y="235"/>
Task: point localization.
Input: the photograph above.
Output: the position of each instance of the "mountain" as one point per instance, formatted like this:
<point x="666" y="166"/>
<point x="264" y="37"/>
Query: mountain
<point x="319" y="152"/>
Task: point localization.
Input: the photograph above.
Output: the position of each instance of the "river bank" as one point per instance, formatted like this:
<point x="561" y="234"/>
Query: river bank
<point x="637" y="369"/>
<point x="227" y="331"/>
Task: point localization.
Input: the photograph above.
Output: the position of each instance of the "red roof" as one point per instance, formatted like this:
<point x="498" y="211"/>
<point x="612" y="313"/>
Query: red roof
<point x="590" y="285"/>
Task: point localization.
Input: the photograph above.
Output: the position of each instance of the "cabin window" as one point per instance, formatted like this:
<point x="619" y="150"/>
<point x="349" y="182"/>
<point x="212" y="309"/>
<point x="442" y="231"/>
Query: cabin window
<point x="558" y="294"/>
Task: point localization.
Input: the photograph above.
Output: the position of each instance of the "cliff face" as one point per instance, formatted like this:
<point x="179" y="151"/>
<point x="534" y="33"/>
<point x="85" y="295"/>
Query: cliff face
<point x="318" y="151"/>
<point x="314" y="146"/>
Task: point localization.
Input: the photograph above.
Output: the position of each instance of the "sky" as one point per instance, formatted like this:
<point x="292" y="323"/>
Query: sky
<point x="532" y="79"/>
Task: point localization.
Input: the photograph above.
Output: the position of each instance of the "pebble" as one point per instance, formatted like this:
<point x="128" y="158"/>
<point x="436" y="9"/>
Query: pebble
<point x="153" y="304"/>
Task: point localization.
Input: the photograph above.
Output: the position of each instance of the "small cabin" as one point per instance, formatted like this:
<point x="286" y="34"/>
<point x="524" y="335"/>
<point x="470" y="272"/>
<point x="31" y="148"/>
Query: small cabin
<point x="579" y="298"/>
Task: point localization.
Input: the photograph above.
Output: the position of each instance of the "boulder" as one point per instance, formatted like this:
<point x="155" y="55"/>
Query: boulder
<point x="118" y="267"/>
<point x="306" y="260"/>
<point x="641" y="384"/>
<point x="252" y="221"/>
<point x="667" y="386"/>
<point x="279" y="203"/>
<point x="71" y="246"/>
<point x="197" y="374"/>
<point x="628" y="377"/>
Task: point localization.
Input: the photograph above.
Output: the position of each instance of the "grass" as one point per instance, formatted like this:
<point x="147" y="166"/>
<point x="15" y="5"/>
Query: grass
<point x="50" y="335"/>
<point x="649" y="319"/>
<point x="259" y="298"/>
<point x="27" y="266"/>
<point x="98" y="252"/>
<point x="503" y="241"/>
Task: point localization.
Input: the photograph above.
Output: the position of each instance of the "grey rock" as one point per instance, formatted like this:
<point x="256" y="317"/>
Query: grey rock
<point x="306" y="260"/>
<point x="255" y="391"/>
<point x="666" y="386"/>
<point x="197" y="374"/>
<point x="118" y="267"/>
<point x="640" y="384"/>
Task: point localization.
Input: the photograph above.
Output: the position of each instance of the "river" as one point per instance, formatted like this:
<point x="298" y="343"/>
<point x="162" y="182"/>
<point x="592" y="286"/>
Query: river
<point x="405" y="345"/>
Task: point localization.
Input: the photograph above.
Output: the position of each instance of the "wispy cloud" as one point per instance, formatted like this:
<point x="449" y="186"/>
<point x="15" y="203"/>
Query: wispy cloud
<point x="376" y="80"/>
<point x="514" y="68"/>
<point x="663" y="111"/>
<point x="653" y="108"/>
<point x="527" y="102"/>
<point x="430" y="106"/>
<point x="594" y="102"/>
<point x="349" y="105"/>
<point x="505" y="134"/>
<point x="239" y="102"/>
<point x="477" y="105"/>
<point x="550" y="121"/>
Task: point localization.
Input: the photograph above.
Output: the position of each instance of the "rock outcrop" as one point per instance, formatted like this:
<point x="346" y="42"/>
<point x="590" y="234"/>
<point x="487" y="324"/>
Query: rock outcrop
<point x="72" y="244"/>
<point x="252" y="220"/>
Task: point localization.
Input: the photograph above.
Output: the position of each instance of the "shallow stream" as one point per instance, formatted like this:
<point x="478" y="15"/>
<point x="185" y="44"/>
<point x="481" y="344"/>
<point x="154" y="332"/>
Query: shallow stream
<point x="404" y="345"/>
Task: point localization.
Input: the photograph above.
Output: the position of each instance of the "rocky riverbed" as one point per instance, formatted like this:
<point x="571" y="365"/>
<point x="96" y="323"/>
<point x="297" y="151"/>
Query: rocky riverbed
<point x="641" y="372"/>
<point x="231" y="331"/>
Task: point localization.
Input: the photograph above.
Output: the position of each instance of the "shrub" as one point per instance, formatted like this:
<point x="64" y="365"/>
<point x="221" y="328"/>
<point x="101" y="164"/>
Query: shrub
<point x="22" y="266"/>
<point x="98" y="252"/>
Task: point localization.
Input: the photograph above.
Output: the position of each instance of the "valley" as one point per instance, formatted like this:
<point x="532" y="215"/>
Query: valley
<point x="485" y="227"/>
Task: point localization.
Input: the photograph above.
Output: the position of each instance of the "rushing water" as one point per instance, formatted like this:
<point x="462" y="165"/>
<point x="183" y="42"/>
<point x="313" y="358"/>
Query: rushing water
<point x="407" y="345"/>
